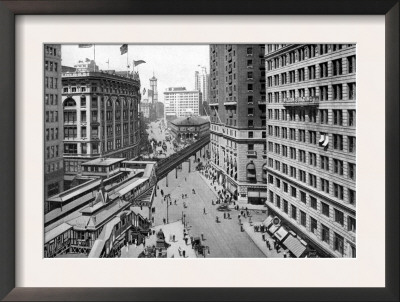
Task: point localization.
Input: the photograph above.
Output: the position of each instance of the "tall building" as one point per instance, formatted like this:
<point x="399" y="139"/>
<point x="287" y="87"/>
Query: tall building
<point x="311" y="166"/>
<point x="238" y="121"/>
<point x="101" y="117"/>
<point x="53" y="143"/>
<point x="153" y="87"/>
<point x="180" y="102"/>
<point x="201" y="82"/>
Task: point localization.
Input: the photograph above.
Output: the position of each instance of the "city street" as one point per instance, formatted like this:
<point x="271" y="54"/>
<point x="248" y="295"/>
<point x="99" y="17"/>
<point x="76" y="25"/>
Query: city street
<point x="225" y="238"/>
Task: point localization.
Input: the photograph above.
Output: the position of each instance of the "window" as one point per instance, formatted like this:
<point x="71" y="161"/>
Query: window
<point x="278" y="201"/>
<point x="351" y="87"/>
<point x="338" y="243"/>
<point x="250" y="75"/>
<point x="323" y="93"/>
<point x="312" y="159"/>
<point x="337" y="67"/>
<point x="351" y="114"/>
<point x="323" y="70"/>
<point x="250" y="123"/>
<point x="323" y="113"/>
<point x="294" y="212"/>
<point x="313" y="202"/>
<point x="324" y="161"/>
<point x="293" y="172"/>
<point x="337" y="142"/>
<point x="285" y="187"/>
<point x="338" y="191"/>
<point x="303" y="197"/>
<point x="313" y="225"/>
<point x="302" y="175"/>
<point x="312" y="180"/>
<point x="325" y="209"/>
<point x="250" y="99"/>
<point x="250" y="87"/>
<point x="249" y="63"/>
<point x="351" y="64"/>
<point x="293" y="191"/>
<point x="339" y="217"/>
<point x="285" y="206"/>
<point x="292" y="76"/>
<point x="285" y="169"/>
<point x="324" y="233"/>
<point x="352" y="144"/>
<point x="303" y="218"/>
<point x="301" y="74"/>
<point x="292" y="153"/>
<point x="352" y="196"/>
<point x="312" y="135"/>
<point x="337" y="92"/>
<point x="251" y="133"/>
<point x="250" y="111"/>
<point x="338" y="166"/>
<point x="351" y="224"/>
<point x="311" y="72"/>
<point x="337" y="117"/>
<point x="324" y="185"/>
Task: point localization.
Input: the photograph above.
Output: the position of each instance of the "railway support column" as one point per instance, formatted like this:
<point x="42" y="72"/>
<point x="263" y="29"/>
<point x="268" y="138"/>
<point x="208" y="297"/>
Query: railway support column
<point x="155" y="189"/>
<point x="189" y="164"/>
<point x="166" y="180"/>
<point x="176" y="172"/>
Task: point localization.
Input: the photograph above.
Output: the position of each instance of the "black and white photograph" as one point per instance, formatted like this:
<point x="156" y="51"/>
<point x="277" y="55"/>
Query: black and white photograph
<point x="199" y="151"/>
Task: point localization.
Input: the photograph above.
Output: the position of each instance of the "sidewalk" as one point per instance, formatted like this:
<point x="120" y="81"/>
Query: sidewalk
<point x="262" y="245"/>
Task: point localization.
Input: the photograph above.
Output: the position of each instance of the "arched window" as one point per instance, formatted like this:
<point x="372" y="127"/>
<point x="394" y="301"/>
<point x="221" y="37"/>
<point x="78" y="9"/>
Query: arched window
<point x="117" y="104"/>
<point x="109" y="103"/>
<point x="69" y="102"/>
<point x="251" y="171"/>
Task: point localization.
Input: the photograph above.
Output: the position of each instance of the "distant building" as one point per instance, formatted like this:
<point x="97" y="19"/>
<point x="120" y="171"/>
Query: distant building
<point x="189" y="127"/>
<point x="87" y="65"/>
<point x="101" y="117"/>
<point x="53" y="142"/>
<point x="159" y="110"/>
<point x="202" y="82"/>
<point x="180" y="102"/>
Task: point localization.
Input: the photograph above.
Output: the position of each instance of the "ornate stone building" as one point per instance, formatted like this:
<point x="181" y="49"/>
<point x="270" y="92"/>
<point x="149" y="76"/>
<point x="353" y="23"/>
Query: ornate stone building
<point x="101" y="117"/>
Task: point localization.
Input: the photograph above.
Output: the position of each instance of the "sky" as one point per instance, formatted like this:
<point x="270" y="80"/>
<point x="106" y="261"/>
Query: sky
<point x="173" y="65"/>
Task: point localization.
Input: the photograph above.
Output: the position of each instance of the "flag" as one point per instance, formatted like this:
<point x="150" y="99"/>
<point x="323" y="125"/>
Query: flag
<point x="124" y="48"/>
<point x="136" y="63"/>
<point x="85" y="45"/>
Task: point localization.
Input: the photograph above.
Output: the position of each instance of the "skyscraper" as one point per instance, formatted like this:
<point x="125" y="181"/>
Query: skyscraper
<point x="180" y="102"/>
<point x="53" y="161"/>
<point x="311" y="124"/>
<point x="202" y="79"/>
<point x="238" y="121"/>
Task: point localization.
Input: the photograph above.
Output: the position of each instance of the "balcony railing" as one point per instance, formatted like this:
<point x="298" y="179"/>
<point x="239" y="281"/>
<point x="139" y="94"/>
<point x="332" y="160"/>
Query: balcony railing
<point x="230" y="103"/>
<point x="301" y="101"/>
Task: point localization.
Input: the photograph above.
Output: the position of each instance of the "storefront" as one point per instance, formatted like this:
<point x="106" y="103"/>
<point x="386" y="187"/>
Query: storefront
<point x="256" y="195"/>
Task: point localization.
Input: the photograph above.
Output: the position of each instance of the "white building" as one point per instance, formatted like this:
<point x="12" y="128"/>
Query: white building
<point x="201" y="78"/>
<point x="87" y="65"/>
<point x="180" y="102"/>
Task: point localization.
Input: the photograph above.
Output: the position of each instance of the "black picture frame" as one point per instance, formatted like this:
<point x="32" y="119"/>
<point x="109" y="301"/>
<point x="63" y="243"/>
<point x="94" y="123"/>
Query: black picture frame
<point x="8" y="9"/>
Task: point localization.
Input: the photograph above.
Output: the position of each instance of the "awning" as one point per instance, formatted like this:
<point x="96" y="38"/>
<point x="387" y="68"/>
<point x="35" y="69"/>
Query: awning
<point x="294" y="245"/>
<point x="263" y="194"/>
<point x="253" y="194"/>
<point x="281" y="233"/>
<point x="268" y="221"/>
<point x="273" y="228"/>
<point x="322" y="138"/>
<point x="251" y="166"/>
<point x="326" y="142"/>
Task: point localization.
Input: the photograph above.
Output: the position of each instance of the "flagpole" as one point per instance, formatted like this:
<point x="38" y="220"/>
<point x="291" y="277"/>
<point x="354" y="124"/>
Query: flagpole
<point x="94" y="57"/>
<point x="127" y="61"/>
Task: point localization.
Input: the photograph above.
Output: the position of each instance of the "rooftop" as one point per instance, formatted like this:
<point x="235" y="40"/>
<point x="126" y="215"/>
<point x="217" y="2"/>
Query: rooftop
<point x="189" y="121"/>
<point x="103" y="161"/>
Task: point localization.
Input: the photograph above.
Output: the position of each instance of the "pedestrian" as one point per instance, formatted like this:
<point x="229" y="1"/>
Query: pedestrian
<point x="184" y="253"/>
<point x="204" y="210"/>
<point x="175" y="201"/>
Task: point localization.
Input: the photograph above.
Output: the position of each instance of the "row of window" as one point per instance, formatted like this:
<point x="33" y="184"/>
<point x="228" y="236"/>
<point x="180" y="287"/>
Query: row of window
<point x="51" y="66"/>
<point x="325" y="163"/>
<point x="52" y="151"/>
<point x="318" y="71"/>
<point x="313" y="116"/>
<point x="310" y="137"/>
<point x="336" y="92"/>
<point x="51" y="168"/>
<point x="125" y="90"/>
<point x="70" y="148"/>
<point x="51" y="51"/>
<point x="323" y="186"/>
<point x="51" y="99"/>
<point x="51" y="134"/>
<point x="51" y="82"/>
<point x="51" y="116"/>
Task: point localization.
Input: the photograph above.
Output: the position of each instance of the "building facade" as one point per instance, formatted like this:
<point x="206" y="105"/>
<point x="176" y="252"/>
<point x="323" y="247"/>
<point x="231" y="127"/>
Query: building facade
<point x="53" y="122"/>
<point x="192" y="127"/>
<point x="311" y="141"/>
<point x="180" y="102"/>
<point x="202" y="82"/>
<point x="101" y="117"/>
<point x="238" y="119"/>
